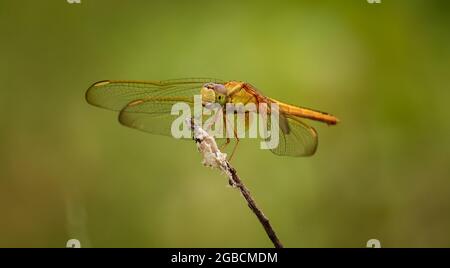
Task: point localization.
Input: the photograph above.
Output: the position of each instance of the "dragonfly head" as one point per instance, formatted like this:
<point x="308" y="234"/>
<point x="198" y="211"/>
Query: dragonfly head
<point x="214" y="93"/>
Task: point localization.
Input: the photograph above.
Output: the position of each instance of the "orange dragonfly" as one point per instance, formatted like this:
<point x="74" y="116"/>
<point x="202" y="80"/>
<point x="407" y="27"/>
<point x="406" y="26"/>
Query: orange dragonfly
<point x="146" y="105"/>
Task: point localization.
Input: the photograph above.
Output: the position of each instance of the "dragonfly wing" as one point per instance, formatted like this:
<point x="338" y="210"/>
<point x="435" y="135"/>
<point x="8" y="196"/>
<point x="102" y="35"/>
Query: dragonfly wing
<point x="116" y="94"/>
<point x="298" y="139"/>
<point x="149" y="115"/>
<point x="154" y="115"/>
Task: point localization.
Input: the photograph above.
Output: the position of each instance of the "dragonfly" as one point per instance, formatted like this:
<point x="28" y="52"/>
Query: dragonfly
<point x="146" y="106"/>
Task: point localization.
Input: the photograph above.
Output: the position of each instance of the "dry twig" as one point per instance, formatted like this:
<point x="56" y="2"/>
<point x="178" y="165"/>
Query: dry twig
<point x="214" y="158"/>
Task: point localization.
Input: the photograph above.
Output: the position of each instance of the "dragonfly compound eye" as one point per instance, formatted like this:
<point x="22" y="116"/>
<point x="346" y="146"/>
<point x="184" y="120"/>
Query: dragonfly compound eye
<point x="208" y="94"/>
<point x="221" y="89"/>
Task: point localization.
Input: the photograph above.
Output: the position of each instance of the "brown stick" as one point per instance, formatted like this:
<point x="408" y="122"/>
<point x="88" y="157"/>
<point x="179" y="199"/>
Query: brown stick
<point x="214" y="158"/>
<point x="255" y="209"/>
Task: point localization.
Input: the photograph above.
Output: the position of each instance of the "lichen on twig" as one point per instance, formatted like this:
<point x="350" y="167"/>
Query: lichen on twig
<point x="214" y="158"/>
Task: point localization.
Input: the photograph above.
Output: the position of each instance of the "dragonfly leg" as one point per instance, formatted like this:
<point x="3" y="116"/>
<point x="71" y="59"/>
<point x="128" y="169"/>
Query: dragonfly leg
<point x="208" y="127"/>
<point x="235" y="145"/>
<point x="222" y="147"/>
<point x="234" y="149"/>
<point x="228" y="140"/>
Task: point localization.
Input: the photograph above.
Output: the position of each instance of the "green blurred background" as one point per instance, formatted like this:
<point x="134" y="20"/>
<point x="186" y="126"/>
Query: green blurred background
<point x="70" y="170"/>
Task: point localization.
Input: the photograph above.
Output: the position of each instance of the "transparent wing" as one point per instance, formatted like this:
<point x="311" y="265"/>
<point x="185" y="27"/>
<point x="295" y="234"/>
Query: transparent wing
<point x="154" y="115"/>
<point x="298" y="139"/>
<point x="115" y="95"/>
<point x="150" y="115"/>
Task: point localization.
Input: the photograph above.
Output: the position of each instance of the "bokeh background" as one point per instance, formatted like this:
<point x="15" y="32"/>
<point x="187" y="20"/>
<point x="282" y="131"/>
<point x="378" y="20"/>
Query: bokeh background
<point x="70" y="170"/>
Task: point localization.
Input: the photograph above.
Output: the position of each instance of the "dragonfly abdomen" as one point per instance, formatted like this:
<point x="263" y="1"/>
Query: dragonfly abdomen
<point x="308" y="113"/>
